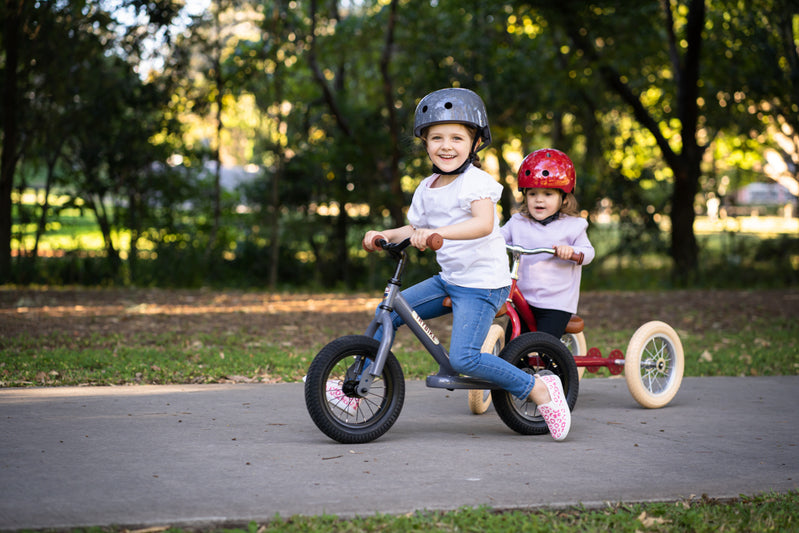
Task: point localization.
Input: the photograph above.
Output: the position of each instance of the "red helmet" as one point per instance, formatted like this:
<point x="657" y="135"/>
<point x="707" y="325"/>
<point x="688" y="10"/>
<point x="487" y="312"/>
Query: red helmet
<point x="547" y="169"/>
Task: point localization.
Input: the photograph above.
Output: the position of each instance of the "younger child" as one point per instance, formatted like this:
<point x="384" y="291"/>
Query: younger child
<point x="548" y="217"/>
<point x="458" y="201"/>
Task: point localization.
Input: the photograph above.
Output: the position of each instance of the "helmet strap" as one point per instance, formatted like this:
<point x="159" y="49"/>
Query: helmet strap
<point x="550" y="218"/>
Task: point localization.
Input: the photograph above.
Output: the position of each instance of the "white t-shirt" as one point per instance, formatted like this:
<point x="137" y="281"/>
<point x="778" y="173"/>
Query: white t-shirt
<point x="478" y="263"/>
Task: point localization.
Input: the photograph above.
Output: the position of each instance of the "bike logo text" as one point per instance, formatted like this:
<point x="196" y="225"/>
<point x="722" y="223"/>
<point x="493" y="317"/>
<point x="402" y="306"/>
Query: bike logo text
<point x="426" y="329"/>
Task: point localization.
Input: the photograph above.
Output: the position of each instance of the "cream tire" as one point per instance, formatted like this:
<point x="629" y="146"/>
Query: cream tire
<point x="576" y="344"/>
<point x="480" y="400"/>
<point x="654" y="364"/>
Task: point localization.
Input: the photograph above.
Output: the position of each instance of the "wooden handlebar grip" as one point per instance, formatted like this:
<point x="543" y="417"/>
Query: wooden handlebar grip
<point x="375" y="245"/>
<point x="435" y="241"/>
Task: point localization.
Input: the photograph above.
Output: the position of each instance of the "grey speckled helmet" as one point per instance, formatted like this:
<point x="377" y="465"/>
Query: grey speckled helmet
<point x="460" y="106"/>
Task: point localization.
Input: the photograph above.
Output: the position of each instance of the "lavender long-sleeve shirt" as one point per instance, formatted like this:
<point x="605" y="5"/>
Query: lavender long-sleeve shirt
<point x="546" y="281"/>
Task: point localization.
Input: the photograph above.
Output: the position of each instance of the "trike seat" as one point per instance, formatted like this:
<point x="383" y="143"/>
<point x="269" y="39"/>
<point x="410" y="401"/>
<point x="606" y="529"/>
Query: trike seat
<point x="575" y="324"/>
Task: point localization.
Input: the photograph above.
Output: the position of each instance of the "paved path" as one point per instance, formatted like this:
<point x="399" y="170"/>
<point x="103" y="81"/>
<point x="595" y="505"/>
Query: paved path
<point x="228" y="454"/>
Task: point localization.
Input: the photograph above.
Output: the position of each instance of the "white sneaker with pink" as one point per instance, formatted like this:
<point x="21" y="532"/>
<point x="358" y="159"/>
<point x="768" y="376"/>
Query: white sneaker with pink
<point x="556" y="412"/>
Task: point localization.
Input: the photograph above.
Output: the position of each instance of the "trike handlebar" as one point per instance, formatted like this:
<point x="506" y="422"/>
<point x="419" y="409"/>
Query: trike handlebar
<point x="434" y="242"/>
<point x="577" y="257"/>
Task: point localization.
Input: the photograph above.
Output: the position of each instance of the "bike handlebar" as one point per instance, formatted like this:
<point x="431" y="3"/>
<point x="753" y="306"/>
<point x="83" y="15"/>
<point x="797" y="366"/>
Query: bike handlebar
<point x="434" y="242"/>
<point x="577" y="257"/>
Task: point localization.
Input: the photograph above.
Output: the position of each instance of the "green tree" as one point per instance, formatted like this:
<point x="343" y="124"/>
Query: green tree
<point x="761" y="62"/>
<point x="53" y="55"/>
<point x="20" y="28"/>
<point x="649" y="58"/>
<point x="687" y="71"/>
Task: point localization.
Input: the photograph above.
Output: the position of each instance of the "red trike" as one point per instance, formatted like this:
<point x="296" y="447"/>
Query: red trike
<point x="653" y="365"/>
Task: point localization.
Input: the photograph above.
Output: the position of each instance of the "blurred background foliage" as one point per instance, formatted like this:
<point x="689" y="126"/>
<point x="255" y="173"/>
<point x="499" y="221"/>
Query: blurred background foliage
<point x="245" y="143"/>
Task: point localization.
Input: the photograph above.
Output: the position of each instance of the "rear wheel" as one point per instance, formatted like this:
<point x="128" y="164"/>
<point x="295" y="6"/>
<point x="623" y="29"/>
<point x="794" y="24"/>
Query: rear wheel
<point x="480" y="400"/>
<point x="533" y="352"/>
<point x="331" y="391"/>
<point x="575" y="343"/>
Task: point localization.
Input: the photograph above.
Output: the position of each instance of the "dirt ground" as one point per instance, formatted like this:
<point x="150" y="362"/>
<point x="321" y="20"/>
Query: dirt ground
<point x="129" y="314"/>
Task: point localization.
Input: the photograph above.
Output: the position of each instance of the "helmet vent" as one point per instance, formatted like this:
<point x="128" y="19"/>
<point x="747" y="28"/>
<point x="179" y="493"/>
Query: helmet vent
<point x="448" y="105"/>
<point x="545" y="173"/>
<point x="527" y="172"/>
<point x="424" y="109"/>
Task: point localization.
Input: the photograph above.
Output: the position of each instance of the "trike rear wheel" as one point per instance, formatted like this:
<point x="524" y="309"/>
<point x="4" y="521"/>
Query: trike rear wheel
<point x="533" y="352"/>
<point x="575" y="343"/>
<point x="331" y="397"/>
<point x="653" y="364"/>
<point x="480" y="400"/>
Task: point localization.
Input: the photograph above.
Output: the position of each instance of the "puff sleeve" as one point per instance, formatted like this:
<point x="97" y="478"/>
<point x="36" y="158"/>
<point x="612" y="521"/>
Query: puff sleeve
<point x="478" y="185"/>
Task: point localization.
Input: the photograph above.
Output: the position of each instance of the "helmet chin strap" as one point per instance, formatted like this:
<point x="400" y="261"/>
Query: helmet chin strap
<point x="550" y="218"/>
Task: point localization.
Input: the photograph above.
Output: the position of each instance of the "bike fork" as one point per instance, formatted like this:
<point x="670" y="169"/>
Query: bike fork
<point x="383" y="319"/>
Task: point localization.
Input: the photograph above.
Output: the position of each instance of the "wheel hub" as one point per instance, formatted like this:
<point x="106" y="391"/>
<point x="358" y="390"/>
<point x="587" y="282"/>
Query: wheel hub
<point x="349" y="387"/>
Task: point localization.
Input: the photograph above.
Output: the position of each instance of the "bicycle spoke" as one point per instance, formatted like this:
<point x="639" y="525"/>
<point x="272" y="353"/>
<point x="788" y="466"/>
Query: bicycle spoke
<point x="657" y="366"/>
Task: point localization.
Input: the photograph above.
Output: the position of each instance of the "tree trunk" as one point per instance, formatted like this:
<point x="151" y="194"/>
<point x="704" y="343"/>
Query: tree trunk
<point x="274" y="260"/>
<point x="8" y="161"/>
<point x="134" y="206"/>
<point x="216" y="198"/>
<point x="684" y="250"/>
<point x="112" y="255"/>
<point x="396" y="199"/>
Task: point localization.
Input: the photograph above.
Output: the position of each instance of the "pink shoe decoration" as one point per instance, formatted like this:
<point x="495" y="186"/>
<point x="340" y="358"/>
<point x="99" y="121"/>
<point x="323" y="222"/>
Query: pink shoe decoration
<point x="337" y="398"/>
<point x="556" y="413"/>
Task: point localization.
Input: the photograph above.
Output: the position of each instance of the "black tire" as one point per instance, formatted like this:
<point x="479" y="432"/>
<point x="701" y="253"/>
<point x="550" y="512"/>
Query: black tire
<point x="533" y="352"/>
<point x="349" y="418"/>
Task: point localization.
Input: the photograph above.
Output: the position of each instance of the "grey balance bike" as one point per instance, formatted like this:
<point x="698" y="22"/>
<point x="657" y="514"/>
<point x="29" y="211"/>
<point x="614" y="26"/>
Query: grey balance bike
<point x="355" y="387"/>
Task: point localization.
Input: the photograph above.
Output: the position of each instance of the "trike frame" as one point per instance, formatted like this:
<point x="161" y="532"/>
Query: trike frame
<point x="654" y="349"/>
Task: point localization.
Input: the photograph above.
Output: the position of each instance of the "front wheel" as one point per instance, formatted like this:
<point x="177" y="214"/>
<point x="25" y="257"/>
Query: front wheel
<point x="331" y="395"/>
<point x="533" y="352"/>
<point x="653" y="365"/>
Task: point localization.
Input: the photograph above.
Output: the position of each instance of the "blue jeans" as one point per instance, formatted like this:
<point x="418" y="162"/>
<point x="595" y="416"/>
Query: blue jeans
<point x="473" y="312"/>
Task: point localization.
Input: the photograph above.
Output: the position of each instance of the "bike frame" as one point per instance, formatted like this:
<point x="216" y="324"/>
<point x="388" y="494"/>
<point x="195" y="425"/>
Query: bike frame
<point x="447" y="377"/>
<point x="518" y="309"/>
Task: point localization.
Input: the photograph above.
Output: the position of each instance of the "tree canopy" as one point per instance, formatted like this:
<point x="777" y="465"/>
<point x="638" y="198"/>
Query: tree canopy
<point x="133" y="109"/>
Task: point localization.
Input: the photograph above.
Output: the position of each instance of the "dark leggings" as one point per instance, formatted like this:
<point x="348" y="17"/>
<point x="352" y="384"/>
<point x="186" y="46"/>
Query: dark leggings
<point x="552" y="321"/>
